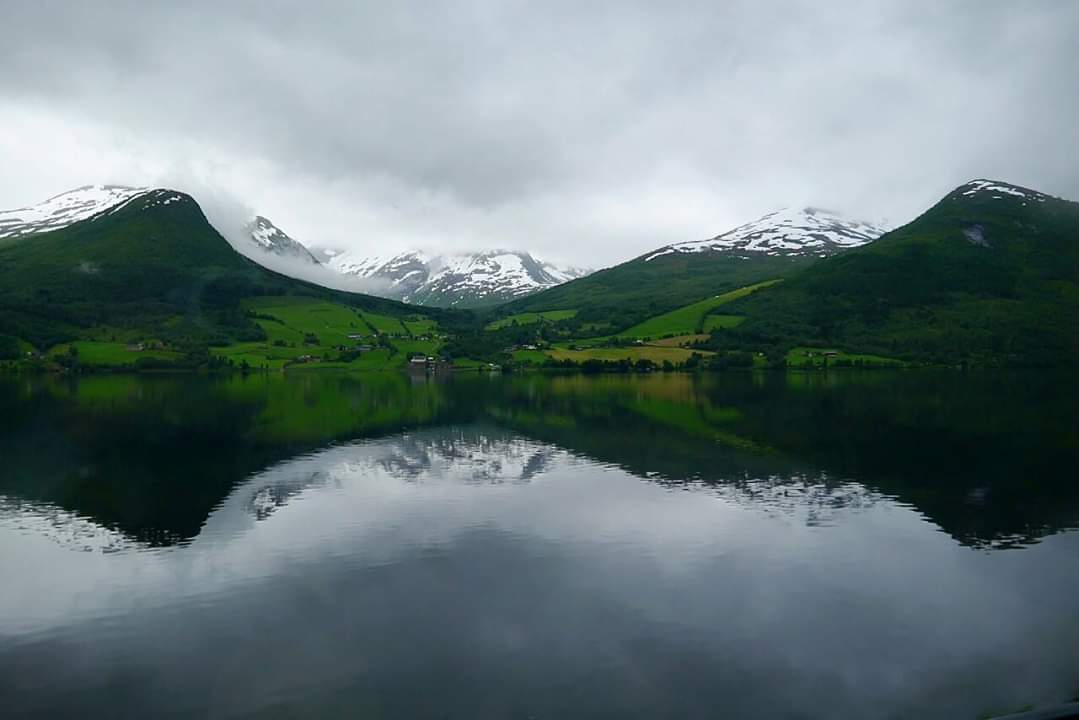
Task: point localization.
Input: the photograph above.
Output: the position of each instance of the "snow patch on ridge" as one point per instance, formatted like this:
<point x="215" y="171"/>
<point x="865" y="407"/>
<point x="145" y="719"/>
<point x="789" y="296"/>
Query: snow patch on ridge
<point x="787" y="232"/>
<point x="66" y="209"/>
<point x="999" y="189"/>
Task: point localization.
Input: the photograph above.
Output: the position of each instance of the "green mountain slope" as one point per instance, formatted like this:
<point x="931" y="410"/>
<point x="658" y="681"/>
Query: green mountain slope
<point x="626" y="294"/>
<point x="988" y="274"/>
<point x="694" y="318"/>
<point x="771" y="247"/>
<point x="153" y="267"/>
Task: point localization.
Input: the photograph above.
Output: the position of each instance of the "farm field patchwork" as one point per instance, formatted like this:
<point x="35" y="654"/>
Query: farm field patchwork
<point x="297" y="327"/>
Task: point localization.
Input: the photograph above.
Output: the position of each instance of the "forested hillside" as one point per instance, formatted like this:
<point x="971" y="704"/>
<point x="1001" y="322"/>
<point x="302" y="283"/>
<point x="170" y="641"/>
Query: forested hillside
<point x="152" y="268"/>
<point x="990" y="273"/>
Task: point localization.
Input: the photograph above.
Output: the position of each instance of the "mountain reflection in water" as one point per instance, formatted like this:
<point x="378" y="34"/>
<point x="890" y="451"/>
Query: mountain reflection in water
<point x="544" y="546"/>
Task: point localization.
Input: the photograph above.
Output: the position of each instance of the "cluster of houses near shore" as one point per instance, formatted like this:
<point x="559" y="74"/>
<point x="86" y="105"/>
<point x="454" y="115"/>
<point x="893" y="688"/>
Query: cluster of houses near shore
<point x="146" y="345"/>
<point x="428" y="363"/>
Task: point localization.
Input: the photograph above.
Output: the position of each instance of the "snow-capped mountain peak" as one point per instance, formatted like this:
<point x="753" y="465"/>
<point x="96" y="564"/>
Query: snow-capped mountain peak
<point x="91" y="201"/>
<point x="998" y="190"/>
<point x="458" y="280"/>
<point x="790" y="232"/>
<point x="267" y="237"/>
<point x="66" y="209"/>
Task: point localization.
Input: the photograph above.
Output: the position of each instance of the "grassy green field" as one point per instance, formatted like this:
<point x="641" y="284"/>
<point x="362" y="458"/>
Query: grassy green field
<point x="289" y="321"/>
<point x="468" y="364"/>
<point x="679" y="340"/>
<point x="262" y="355"/>
<point x="418" y="325"/>
<point x="305" y="315"/>
<point x="296" y="327"/>
<point x="716" y="322"/>
<point x="637" y="352"/>
<point x="295" y="316"/>
<point x="800" y="357"/>
<point x="380" y="359"/>
<point x="531" y="318"/>
<point x="385" y="324"/>
<point x="109" y="354"/>
<point x="536" y="357"/>
<point x="417" y="347"/>
<point x="691" y="318"/>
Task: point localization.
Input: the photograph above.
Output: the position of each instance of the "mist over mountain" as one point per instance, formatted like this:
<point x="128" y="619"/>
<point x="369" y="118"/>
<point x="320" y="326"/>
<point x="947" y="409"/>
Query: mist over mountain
<point x="253" y="236"/>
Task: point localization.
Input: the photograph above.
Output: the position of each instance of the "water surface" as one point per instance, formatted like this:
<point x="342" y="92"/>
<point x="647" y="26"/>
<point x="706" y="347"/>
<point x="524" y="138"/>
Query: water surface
<point x="843" y="545"/>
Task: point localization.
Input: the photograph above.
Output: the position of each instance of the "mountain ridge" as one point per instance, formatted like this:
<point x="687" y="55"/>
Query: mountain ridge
<point x="152" y="267"/>
<point x="463" y="280"/>
<point x="270" y="238"/>
<point x="65" y="209"/>
<point x="88" y="202"/>
<point x="989" y="273"/>
<point x="788" y="231"/>
<point x="772" y="246"/>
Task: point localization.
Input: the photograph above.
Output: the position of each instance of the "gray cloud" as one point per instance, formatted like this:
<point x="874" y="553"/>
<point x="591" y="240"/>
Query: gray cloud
<point x="587" y="132"/>
<point x="230" y="217"/>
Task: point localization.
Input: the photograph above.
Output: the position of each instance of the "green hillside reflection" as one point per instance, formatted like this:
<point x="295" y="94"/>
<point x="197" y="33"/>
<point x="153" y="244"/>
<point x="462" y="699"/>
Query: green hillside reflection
<point x="987" y="457"/>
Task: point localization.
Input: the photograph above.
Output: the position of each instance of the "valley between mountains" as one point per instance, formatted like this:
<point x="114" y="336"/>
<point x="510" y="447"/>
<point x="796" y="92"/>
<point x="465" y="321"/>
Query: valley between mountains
<point x="117" y="277"/>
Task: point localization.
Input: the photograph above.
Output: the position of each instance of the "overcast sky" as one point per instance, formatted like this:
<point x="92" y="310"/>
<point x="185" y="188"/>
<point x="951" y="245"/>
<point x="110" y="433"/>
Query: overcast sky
<point x="586" y="132"/>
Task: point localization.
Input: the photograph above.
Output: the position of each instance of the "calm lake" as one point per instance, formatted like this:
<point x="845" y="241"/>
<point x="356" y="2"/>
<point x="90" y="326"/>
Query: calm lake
<point x="877" y="545"/>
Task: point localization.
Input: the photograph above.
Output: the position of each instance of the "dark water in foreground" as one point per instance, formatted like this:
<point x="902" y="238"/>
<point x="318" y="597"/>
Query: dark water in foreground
<point x="879" y="545"/>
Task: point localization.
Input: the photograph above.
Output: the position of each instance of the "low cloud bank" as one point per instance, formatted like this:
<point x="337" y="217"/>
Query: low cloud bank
<point x="231" y="218"/>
